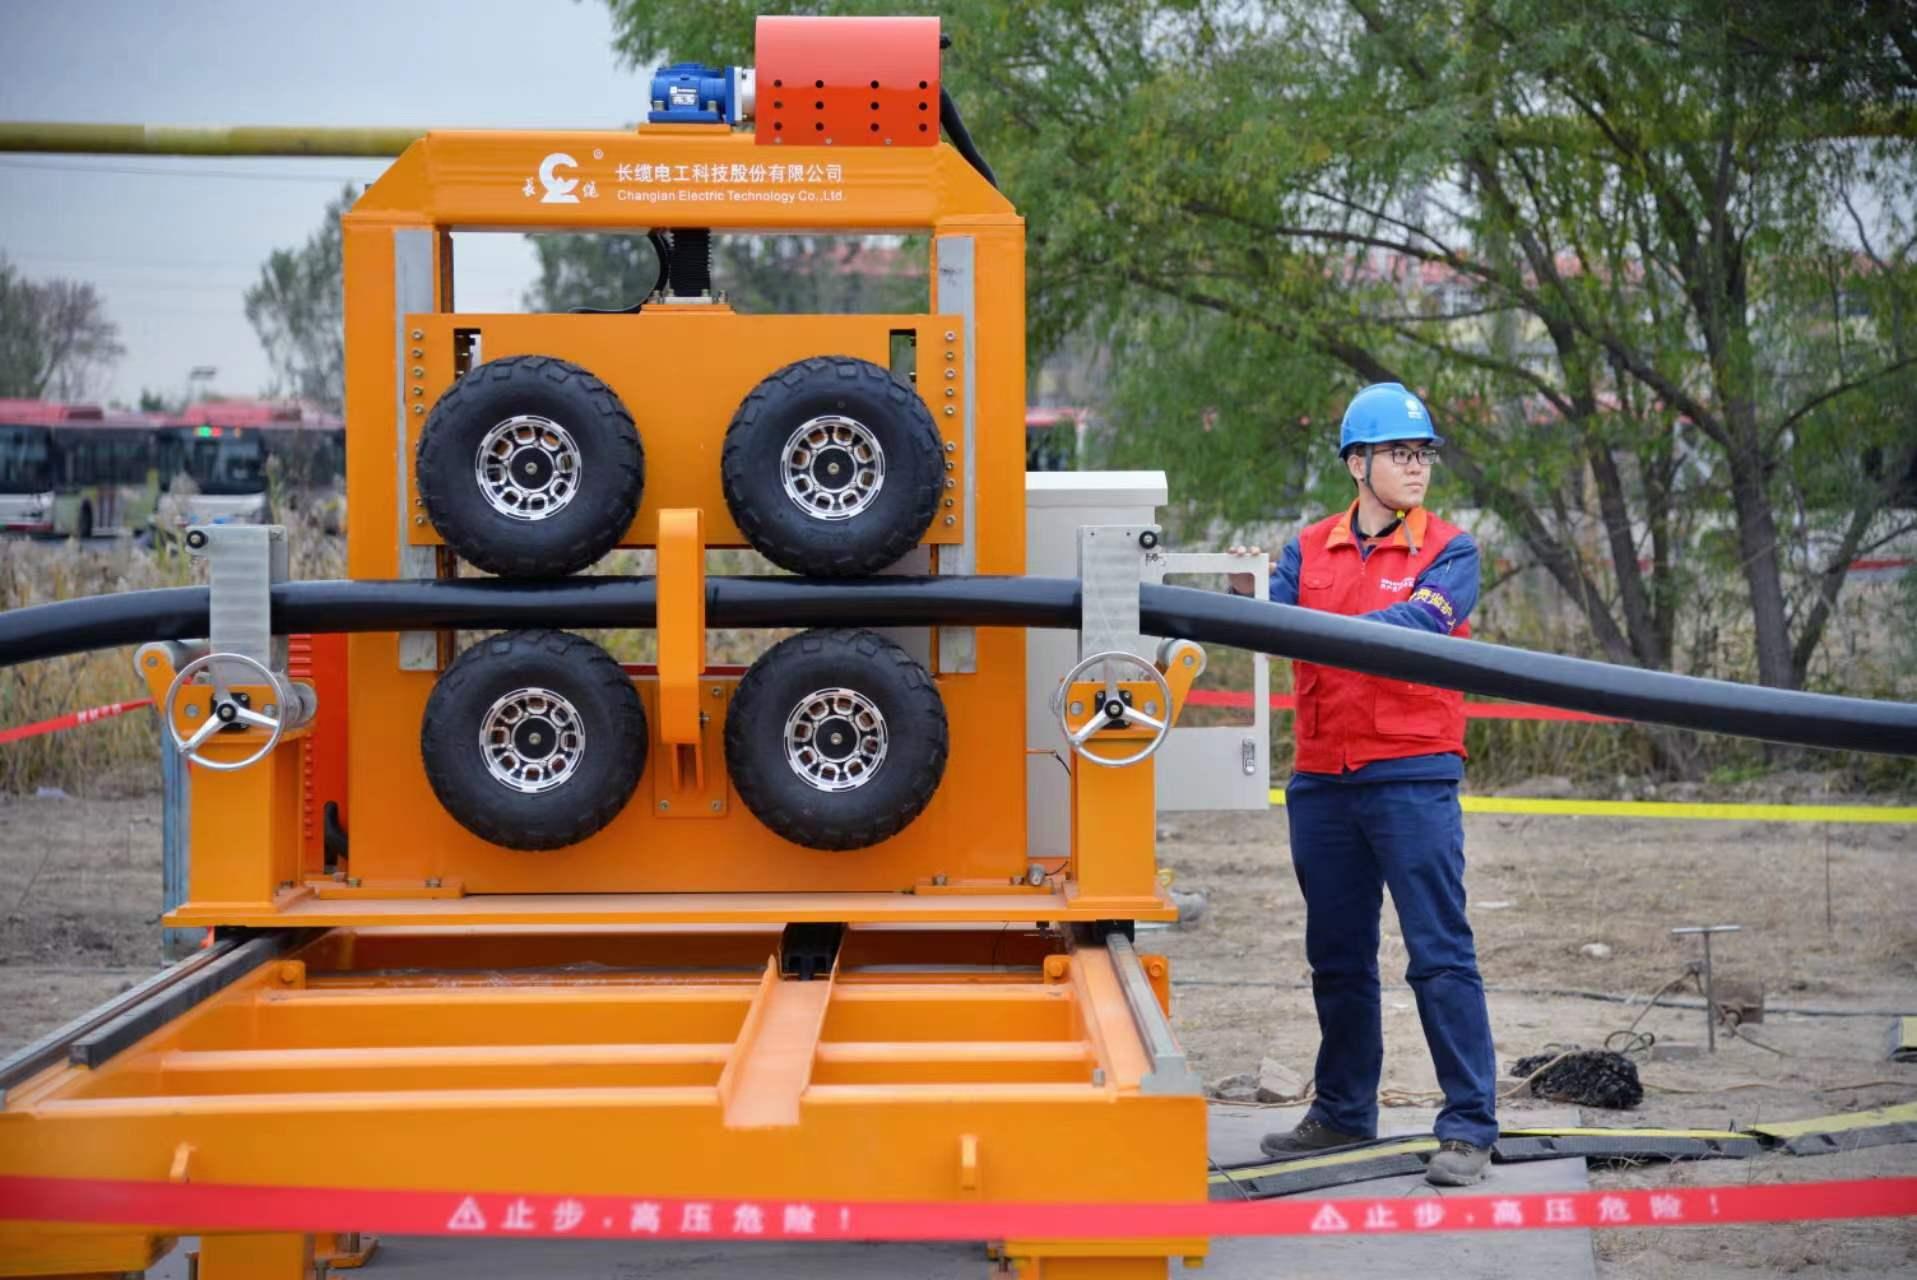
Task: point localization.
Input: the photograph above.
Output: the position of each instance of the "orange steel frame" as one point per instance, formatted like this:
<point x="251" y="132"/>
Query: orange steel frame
<point x="429" y="1033"/>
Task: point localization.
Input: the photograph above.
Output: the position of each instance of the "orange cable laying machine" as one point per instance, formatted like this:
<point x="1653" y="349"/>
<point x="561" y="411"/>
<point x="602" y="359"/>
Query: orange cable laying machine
<point x="672" y="931"/>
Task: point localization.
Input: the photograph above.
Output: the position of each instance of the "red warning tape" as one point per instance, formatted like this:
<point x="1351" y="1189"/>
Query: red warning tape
<point x="1472" y="710"/>
<point x="72" y="720"/>
<point x="216" y="1207"/>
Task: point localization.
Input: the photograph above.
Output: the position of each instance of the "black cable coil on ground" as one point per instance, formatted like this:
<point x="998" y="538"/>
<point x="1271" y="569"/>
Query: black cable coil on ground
<point x="1584" y="1077"/>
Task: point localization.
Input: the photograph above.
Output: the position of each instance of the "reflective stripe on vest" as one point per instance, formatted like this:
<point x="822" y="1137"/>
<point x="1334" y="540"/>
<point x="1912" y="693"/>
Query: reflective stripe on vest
<point x="1346" y="720"/>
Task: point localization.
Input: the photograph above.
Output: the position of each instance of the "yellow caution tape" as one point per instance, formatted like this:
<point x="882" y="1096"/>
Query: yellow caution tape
<point x="1893" y="814"/>
<point x="1358" y="1155"/>
<point x="1903" y="1113"/>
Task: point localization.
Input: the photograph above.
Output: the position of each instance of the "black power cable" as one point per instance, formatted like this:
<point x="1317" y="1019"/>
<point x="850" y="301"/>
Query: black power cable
<point x="1471" y="666"/>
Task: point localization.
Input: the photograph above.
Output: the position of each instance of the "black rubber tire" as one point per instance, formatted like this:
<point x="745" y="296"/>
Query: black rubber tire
<point x="898" y="790"/>
<point x="610" y="715"/>
<point x="750" y="468"/>
<point x="612" y="467"/>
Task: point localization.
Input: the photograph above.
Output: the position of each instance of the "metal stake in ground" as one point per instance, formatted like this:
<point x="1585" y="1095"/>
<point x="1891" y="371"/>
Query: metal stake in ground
<point x="1710" y="995"/>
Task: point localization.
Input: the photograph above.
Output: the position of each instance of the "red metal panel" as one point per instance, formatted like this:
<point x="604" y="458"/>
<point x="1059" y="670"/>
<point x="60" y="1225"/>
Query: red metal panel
<point x="321" y="661"/>
<point x="848" y="82"/>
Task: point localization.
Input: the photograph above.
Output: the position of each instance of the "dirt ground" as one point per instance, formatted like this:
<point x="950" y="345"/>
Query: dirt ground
<point x="80" y="902"/>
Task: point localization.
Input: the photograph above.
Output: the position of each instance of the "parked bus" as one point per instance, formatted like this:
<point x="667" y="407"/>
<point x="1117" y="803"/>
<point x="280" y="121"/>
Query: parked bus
<point x="75" y="470"/>
<point x="214" y="458"/>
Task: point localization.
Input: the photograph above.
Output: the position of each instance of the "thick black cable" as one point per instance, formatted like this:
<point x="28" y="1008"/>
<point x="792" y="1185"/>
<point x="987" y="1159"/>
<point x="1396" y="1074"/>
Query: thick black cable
<point x="1711" y="706"/>
<point x="961" y="137"/>
<point x="1576" y="684"/>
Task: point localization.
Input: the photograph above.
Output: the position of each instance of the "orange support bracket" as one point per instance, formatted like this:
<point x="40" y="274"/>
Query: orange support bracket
<point x="682" y="644"/>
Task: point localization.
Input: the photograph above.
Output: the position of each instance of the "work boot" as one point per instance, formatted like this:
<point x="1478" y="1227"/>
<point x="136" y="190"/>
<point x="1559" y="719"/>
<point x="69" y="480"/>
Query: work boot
<point x="1457" y="1164"/>
<point x="1311" y="1136"/>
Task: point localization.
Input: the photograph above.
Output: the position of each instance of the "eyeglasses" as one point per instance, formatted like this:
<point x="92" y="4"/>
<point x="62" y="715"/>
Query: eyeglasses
<point x="1402" y="456"/>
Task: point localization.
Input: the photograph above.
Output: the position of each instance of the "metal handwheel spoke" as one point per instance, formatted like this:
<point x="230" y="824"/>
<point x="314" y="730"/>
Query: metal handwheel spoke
<point x="1091" y="726"/>
<point x="212" y="726"/>
<point x="1111" y="709"/>
<point x="223" y="700"/>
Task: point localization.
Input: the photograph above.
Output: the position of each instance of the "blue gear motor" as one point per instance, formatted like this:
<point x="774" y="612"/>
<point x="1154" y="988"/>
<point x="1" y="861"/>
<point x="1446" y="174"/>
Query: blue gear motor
<point x="693" y="93"/>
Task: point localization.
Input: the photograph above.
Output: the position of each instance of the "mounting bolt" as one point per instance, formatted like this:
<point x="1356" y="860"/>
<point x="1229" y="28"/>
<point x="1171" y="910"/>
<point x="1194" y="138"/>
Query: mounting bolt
<point x="951" y="465"/>
<point x="1056" y="967"/>
<point x="718" y="806"/>
<point x="290" y="973"/>
<point x="939" y="879"/>
<point x="417" y="353"/>
<point x="192" y="711"/>
<point x="948" y="355"/>
<point x="951" y="336"/>
<point x="949" y="411"/>
<point x="717" y="692"/>
<point x="950" y="392"/>
<point x="432" y="882"/>
<point x="419" y="410"/>
<point x="950" y="521"/>
<point x="951" y="446"/>
<point x="950" y="483"/>
<point x="418" y="334"/>
<point x="419" y="371"/>
<point x="196" y="539"/>
<point x="951" y="374"/>
<point x="1077" y="708"/>
<point x="419" y="519"/>
<point x="948" y="501"/>
<point x="1148" y="539"/>
<point x="665" y="804"/>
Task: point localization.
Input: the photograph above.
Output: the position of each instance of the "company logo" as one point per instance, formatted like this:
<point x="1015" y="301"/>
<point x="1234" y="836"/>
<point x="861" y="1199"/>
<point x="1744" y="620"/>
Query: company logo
<point x="1395" y="584"/>
<point x="558" y="190"/>
<point x="1412" y="409"/>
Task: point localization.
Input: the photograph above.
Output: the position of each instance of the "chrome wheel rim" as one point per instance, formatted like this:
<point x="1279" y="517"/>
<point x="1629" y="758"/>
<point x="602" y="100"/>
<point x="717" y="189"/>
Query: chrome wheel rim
<point x="835" y="739"/>
<point x="528" y="467"/>
<point x="532" y="740"/>
<point x="832" y="467"/>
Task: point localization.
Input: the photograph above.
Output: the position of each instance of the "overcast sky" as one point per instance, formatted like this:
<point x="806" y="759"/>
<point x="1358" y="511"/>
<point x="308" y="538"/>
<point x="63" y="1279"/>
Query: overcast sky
<point x="173" y="243"/>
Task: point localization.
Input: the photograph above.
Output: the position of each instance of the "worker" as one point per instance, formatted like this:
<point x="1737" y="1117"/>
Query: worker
<point x="1373" y="796"/>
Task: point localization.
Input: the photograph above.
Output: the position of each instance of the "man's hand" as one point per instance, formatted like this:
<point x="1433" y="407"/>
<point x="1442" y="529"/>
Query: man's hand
<point x="1243" y="584"/>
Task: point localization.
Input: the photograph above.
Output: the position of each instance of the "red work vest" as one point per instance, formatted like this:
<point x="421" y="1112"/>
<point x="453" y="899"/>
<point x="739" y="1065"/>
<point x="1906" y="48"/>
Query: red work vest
<point x="1346" y="720"/>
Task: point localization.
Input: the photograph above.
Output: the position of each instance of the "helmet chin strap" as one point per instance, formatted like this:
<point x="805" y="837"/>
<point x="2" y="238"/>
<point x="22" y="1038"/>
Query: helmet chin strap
<point x="1398" y="516"/>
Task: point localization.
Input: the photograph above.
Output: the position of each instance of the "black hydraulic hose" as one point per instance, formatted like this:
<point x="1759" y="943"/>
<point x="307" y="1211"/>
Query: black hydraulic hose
<point x="961" y="137"/>
<point x="1712" y="706"/>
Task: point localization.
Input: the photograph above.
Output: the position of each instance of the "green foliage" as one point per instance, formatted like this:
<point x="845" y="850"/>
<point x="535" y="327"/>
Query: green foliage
<point x="763" y="274"/>
<point x="55" y="337"/>
<point x="1651" y="264"/>
<point x="298" y="309"/>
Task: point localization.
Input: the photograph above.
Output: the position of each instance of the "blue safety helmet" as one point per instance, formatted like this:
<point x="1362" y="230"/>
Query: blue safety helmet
<point x="1381" y="413"/>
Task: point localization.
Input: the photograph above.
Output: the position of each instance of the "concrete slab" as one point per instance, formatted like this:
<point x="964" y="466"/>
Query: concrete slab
<point x="1563" y="1255"/>
<point x="1234" y="1133"/>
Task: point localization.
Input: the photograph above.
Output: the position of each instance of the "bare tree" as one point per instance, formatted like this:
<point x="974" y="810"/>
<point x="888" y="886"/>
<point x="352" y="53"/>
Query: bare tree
<point x="298" y="309"/>
<point x="55" y="337"/>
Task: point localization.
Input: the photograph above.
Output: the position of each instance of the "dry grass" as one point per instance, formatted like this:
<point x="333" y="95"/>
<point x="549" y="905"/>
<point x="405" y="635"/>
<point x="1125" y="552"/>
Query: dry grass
<point x="109" y="757"/>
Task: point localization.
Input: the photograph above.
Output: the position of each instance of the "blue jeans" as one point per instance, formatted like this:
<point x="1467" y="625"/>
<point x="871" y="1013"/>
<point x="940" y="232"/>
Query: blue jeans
<point x="1348" y="841"/>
